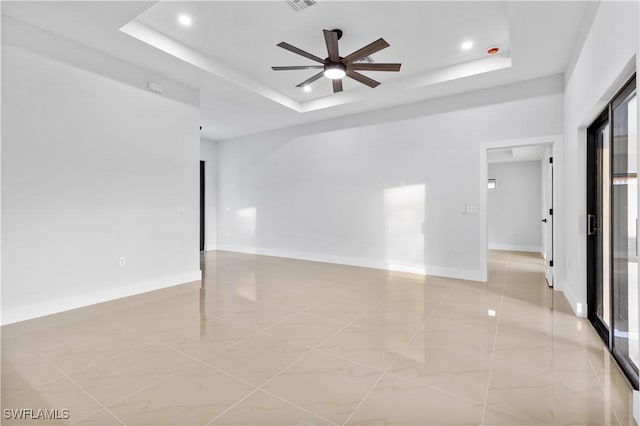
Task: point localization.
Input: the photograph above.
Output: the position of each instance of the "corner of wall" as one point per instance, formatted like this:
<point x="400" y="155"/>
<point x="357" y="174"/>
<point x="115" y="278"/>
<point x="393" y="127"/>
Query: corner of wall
<point x="579" y="308"/>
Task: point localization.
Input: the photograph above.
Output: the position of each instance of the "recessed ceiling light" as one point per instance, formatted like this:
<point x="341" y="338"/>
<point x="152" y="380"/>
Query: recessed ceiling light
<point x="466" y="45"/>
<point x="307" y="88"/>
<point x="185" y="20"/>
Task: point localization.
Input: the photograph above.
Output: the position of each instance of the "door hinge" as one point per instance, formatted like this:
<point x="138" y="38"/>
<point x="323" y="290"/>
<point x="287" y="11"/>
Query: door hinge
<point x="551" y="263"/>
<point x="550" y="212"/>
<point x="550" y="160"/>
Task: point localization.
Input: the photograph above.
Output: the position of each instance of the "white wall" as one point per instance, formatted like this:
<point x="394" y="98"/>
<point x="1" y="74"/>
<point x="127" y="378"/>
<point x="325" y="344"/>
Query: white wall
<point x="605" y="62"/>
<point x="92" y="170"/>
<point x="514" y="206"/>
<point x="209" y="154"/>
<point x="386" y="195"/>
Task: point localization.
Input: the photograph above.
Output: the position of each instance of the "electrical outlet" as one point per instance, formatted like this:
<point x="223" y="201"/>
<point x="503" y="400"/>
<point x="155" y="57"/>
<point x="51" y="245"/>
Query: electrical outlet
<point x="457" y="248"/>
<point x="123" y="261"/>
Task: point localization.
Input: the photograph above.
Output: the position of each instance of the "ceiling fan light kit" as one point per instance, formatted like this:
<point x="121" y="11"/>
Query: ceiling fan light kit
<point x="335" y="71"/>
<point x="335" y="67"/>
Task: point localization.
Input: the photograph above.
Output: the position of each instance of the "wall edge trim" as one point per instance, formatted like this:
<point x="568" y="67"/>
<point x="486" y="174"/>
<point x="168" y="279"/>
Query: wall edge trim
<point x="463" y="274"/>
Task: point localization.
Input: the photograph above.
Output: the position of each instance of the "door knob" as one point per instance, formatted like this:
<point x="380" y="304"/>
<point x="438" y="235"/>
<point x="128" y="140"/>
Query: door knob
<point x="544" y="220"/>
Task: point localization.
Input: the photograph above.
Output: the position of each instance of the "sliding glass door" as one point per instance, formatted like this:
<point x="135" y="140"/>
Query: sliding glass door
<point x="612" y="220"/>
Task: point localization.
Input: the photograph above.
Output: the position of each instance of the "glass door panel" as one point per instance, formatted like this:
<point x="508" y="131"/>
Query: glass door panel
<point x="624" y="206"/>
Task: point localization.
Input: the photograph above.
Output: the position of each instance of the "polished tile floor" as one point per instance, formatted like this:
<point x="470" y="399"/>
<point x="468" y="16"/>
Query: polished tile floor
<point x="272" y="341"/>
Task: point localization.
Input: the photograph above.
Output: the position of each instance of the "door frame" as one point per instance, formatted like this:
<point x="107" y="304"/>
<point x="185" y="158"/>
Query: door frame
<point x="555" y="142"/>
<point x="591" y="182"/>
<point x="203" y="210"/>
<point x="607" y="336"/>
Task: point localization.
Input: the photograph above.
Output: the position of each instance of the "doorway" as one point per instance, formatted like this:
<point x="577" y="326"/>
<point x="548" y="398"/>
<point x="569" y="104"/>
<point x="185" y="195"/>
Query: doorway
<point x="520" y="201"/>
<point x="612" y="220"/>
<point x="202" y="206"/>
<point x="540" y="149"/>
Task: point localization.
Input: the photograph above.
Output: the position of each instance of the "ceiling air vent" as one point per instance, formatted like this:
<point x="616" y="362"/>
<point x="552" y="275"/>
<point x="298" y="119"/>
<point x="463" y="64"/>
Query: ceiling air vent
<point x="366" y="59"/>
<point x="300" y="5"/>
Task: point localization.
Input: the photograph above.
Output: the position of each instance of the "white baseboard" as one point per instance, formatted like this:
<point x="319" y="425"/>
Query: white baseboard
<point x="54" y="306"/>
<point x="463" y="274"/>
<point x="579" y="308"/>
<point x="515" y="247"/>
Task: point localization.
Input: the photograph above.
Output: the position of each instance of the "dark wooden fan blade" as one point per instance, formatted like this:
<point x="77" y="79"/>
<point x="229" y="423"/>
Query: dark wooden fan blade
<point x="300" y="52"/>
<point x="303" y="67"/>
<point x="331" y="39"/>
<point x="337" y="85"/>
<point x="369" y="49"/>
<point x="374" y="67"/>
<point x="311" y="79"/>
<point x="362" y="78"/>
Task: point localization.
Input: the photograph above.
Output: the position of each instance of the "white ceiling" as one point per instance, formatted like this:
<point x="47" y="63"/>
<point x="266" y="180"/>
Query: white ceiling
<point x="229" y="49"/>
<point x="417" y="31"/>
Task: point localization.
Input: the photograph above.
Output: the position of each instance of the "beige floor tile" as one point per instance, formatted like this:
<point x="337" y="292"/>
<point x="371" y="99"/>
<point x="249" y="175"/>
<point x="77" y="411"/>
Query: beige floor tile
<point x="258" y="358"/>
<point x="24" y="371"/>
<point x="60" y="394"/>
<point x="305" y="329"/>
<point x="102" y="417"/>
<point x="157" y="327"/>
<point x="455" y="340"/>
<point x="534" y="402"/>
<point x="253" y="320"/>
<point x="325" y="385"/>
<point x="544" y="360"/>
<point x="259" y="316"/>
<point x="112" y="380"/>
<point x="341" y="310"/>
<point x="211" y="337"/>
<point x="462" y="373"/>
<point x="394" y="401"/>
<point x="371" y="346"/>
<point x="475" y="294"/>
<point x="297" y="299"/>
<point x="495" y="417"/>
<point x="392" y="313"/>
<point x="262" y="409"/>
<point x="551" y="399"/>
<point x="193" y="396"/>
<point x="448" y="317"/>
<point x="81" y="355"/>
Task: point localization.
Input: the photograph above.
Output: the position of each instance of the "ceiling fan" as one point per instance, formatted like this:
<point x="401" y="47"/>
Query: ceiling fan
<point x="335" y="67"/>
